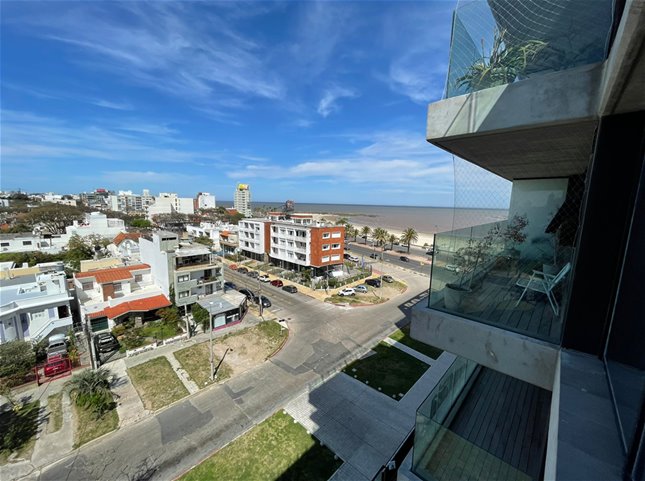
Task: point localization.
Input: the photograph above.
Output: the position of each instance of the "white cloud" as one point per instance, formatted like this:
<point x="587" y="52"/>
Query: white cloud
<point x="112" y="105"/>
<point x="329" y="101"/>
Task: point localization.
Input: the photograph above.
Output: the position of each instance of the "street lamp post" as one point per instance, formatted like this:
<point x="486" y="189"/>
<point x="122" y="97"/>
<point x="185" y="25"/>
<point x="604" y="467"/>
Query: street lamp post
<point x="210" y="322"/>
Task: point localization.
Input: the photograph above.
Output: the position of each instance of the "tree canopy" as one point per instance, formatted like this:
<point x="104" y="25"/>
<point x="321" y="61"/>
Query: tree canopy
<point x="54" y="217"/>
<point x="409" y="236"/>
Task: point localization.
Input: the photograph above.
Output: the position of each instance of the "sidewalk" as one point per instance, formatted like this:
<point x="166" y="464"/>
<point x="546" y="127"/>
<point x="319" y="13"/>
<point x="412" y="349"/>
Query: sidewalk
<point x="360" y="425"/>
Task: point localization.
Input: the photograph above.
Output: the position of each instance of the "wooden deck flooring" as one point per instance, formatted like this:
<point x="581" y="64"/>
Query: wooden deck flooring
<point x="494" y="303"/>
<point x="498" y="434"/>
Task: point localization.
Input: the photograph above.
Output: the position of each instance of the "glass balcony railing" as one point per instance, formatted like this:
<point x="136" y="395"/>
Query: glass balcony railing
<point x="490" y="273"/>
<point x="497" y="42"/>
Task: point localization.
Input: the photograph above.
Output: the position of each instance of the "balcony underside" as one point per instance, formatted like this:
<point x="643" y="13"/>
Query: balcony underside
<point x="498" y="433"/>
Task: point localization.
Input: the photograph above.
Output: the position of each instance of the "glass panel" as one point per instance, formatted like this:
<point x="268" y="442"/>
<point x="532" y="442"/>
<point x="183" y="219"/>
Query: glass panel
<point x="497" y="42"/>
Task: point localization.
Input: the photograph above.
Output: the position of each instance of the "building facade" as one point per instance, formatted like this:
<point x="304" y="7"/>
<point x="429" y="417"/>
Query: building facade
<point x="549" y="334"/>
<point x="34" y="306"/>
<point x="242" y="200"/>
<point x="168" y="203"/>
<point x="254" y="238"/>
<point x="205" y="201"/>
<point x="126" y="201"/>
<point x="96" y="223"/>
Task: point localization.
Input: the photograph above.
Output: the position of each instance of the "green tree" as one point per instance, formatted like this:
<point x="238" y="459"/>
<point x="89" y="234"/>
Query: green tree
<point x="170" y="316"/>
<point x="200" y="316"/>
<point x="342" y="221"/>
<point x="91" y="390"/>
<point x="380" y="236"/>
<point x="78" y="249"/>
<point x="392" y="239"/>
<point x="17" y="359"/>
<point x="365" y="232"/>
<point x="409" y="236"/>
<point x="31" y="258"/>
<point x="140" y="223"/>
<point x="54" y="217"/>
<point x="202" y="239"/>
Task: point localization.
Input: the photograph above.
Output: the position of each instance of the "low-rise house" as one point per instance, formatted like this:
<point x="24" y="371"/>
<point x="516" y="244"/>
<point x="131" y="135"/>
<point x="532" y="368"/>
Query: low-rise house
<point x="111" y="296"/>
<point x="96" y="223"/>
<point x="34" y="306"/>
<point x="125" y="245"/>
<point x="28" y="242"/>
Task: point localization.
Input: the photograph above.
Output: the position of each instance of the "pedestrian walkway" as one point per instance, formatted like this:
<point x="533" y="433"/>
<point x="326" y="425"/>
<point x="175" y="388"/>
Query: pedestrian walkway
<point x="408" y="350"/>
<point x="49" y="446"/>
<point x="128" y="403"/>
<point x="182" y="374"/>
<point x="359" y="424"/>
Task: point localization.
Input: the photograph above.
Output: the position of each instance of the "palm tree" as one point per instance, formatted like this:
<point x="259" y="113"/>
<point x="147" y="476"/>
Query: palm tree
<point x="365" y="232"/>
<point x="342" y="221"/>
<point x="409" y="236"/>
<point x="350" y="231"/>
<point x="392" y="240"/>
<point x="91" y="390"/>
<point x="380" y="236"/>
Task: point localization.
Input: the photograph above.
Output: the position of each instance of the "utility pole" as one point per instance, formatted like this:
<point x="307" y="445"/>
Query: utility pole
<point x="210" y="322"/>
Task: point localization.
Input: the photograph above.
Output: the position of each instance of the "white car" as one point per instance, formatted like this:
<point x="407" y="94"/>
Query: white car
<point x="362" y="288"/>
<point x="264" y="278"/>
<point x="347" y="291"/>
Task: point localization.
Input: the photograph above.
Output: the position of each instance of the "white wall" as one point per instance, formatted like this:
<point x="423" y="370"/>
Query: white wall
<point x="158" y="262"/>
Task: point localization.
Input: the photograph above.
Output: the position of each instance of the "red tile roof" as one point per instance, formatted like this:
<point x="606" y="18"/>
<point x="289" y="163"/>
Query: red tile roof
<point x="138" y="305"/>
<point x="112" y="274"/>
<point x="121" y="236"/>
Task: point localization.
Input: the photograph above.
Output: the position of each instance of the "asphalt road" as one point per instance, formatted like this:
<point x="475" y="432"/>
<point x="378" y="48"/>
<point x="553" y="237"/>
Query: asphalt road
<point x="323" y="338"/>
<point x="391" y="257"/>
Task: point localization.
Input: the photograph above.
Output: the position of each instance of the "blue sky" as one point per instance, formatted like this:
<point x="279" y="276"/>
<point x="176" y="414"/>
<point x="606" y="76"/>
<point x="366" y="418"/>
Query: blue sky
<point x="310" y="101"/>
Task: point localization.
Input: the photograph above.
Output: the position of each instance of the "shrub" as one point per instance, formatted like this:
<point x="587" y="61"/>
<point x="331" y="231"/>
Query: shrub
<point x="91" y="390"/>
<point x="17" y="359"/>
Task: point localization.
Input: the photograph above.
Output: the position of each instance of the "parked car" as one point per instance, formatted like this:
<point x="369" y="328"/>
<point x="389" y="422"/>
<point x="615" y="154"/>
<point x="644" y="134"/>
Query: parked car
<point x="277" y="283"/>
<point x="352" y="258"/>
<point x="242" y="270"/>
<point x="291" y="289"/>
<point x="229" y="285"/>
<point x="264" y="299"/>
<point x="247" y="292"/>
<point x="57" y="365"/>
<point x="253" y="274"/>
<point x="233" y="267"/>
<point x="264" y="278"/>
<point x="404" y="259"/>
<point x="361" y="288"/>
<point x="347" y="291"/>
<point x="374" y="255"/>
<point x="387" y="279"/>
<point x="430" y="253"/>
<point x="57" y="345"/>
<point x="347" y="248"/>
<point x="373" y="282"/>
<point x="106" y="342"/>
<point x="452" y="268"/>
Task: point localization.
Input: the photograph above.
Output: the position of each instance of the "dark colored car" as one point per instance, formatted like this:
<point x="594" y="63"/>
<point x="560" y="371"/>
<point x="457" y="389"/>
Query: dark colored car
<point x="242" y="270"/>
<point x="404" y="259"/>
<point x="291" y="289"/>
<point x="248" y="293"/>
<point x="374" y="255"/>
<point x="373" y="282"/>
<point x="346" y="248"/>
<point x="106" y="342"/>
<point x="253" y="274"/>
<point x="277" y="283"/>
<point x="57" y="365"/>
<point x="230" y="285"/>
<point x="430" y="253"/>
<point x="265" y="301"/>
<point x="388" y="279"/>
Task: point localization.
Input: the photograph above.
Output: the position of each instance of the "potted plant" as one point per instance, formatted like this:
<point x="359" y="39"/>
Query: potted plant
<point x="505" y="63"/>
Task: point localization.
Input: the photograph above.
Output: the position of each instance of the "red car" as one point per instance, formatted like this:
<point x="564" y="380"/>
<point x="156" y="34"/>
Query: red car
<point x="277" y="283"/>
<point x="57" y="366"/>
<point x="233" y="267"/>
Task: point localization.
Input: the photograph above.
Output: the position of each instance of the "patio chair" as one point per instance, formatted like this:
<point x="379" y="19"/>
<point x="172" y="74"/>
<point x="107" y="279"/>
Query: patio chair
<point x="544" y="283"/>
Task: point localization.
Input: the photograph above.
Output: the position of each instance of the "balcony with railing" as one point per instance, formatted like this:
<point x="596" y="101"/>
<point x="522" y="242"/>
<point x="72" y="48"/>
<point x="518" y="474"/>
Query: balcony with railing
<point x="187" y="262"/>
<point x="493" y="274"/>
<point x="500" y="42"/>
<point x="478" y="424"/>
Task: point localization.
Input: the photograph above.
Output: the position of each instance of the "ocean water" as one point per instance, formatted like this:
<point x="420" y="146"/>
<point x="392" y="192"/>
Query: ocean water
<point x="425" y="220"/>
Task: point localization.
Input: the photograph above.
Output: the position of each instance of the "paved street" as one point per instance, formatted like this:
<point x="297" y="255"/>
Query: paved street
<point x="393" y="257"/>
<point x="323" y="338"/>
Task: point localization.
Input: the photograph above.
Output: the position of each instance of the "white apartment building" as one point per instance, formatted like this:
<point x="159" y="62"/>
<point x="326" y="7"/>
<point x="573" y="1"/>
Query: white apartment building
<point x="126" y="201"/>
<point x="205" y="201"/>
<point x="242" y="199"/>
<point x="96" y="223"/>
<point x="58" y="199"/>
<point x="167" y="203"/>
<point x="27" y="242"/>
<point x="34" y="306"/>
<point x="211" y="230"/>
<point x="254" y="238"/>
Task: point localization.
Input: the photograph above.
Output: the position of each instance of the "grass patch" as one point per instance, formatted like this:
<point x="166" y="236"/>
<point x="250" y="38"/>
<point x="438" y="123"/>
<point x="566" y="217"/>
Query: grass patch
<point x="276" y="449"/>
<point x="398" y="285"/>
<point x="362" y="299"/>
<point x="18" y="431"/>
<point x="390" y="369"/>
<point x="158" y="330"/>
<point x="196" y="362"/>
<point x="403" y="336"/>
<point x="55" y="406"/>
<point x="157" y="384"/>
<point x="89" y="427"/>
